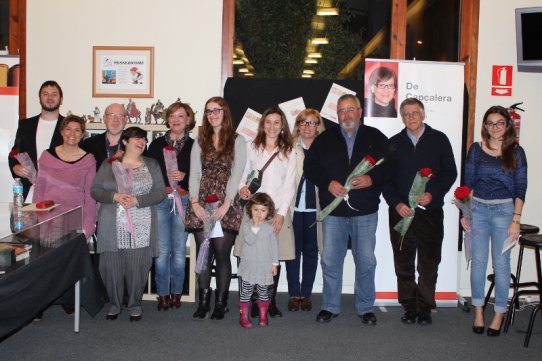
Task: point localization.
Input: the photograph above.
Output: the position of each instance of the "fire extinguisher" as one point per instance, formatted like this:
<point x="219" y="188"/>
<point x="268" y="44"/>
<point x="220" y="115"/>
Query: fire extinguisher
<point x="516" y="117"/>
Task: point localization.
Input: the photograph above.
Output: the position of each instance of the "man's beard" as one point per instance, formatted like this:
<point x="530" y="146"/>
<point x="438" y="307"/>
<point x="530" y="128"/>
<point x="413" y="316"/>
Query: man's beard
<point x="52" y="108"/>
<point x="349" y="126"/>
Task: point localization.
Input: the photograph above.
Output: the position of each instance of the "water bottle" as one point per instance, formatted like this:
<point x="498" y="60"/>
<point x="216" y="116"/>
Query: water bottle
<point x="18" y="199"/>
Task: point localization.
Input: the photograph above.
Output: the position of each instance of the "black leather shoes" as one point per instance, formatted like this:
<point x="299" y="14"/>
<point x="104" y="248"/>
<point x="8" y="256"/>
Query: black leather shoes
<point x="111" y="317"/>
<point x="409" y="317"/>
<point x="325" y="316"/>
<point x="424" y="318"/>
<point x="135" y="318"/>
<point x="478" y="329"/>
<point x="368" y="318"/>
<point x="492" y="332"/>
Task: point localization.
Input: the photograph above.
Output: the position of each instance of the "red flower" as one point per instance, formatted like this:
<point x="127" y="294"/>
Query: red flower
<point x="462" y="193"/>
<point x="370" y="159"/>
<point x="169" y="147"/>
<point x="112" y="159"/>
<point x="213" y="198"/>
<point x="426" y="172"/>
<point x="13" y="153"/>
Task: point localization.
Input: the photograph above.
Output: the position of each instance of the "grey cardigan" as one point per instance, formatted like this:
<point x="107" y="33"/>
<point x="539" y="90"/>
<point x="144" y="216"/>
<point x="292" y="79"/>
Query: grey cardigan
<point x="104" y="188"/>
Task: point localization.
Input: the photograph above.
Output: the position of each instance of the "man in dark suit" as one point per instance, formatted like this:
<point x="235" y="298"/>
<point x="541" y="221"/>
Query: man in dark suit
<point x="41" y="132"/>
<point x="106" y="145"/>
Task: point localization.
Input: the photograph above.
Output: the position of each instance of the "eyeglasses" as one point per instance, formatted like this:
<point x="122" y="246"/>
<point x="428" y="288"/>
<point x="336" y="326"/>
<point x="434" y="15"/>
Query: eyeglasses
<point x="347" y="110"/>
<point x="214" y="111"/>
<point x="308" y="123"/>
<point x="495" y="125"/>
<point x="115" y="116"/>
<point x="385" y="86"/>
<point x="414" y="114"/>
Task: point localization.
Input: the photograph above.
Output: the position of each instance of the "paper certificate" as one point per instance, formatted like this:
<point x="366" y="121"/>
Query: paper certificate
<point x="329" y="109"/>
<point x="291" y="109"/>
<point x="248" y="127"/>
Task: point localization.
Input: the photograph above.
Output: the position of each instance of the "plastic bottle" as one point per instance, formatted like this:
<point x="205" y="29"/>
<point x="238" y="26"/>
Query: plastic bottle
<point x="18" y="199"/>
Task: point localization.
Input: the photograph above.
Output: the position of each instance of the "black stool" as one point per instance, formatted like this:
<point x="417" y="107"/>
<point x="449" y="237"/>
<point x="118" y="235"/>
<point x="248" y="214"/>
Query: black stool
<point x="534" y="241"/>
<point x="523" y="229"/>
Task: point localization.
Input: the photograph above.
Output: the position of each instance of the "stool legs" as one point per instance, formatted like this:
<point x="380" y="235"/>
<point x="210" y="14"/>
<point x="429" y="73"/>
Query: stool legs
<point x="533" y="314"/>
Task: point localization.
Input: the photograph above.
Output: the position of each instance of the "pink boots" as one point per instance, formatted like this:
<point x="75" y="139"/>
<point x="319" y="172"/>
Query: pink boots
<point x="263" y="306"/>
<point x="244" y="309"/>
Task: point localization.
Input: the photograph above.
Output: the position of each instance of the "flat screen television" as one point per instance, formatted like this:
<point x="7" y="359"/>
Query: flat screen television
<point x="529" y="39"/>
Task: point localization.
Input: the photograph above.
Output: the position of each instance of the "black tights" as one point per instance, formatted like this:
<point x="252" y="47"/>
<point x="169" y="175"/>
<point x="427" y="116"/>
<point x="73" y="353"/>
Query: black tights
<point x="220" y="248"/>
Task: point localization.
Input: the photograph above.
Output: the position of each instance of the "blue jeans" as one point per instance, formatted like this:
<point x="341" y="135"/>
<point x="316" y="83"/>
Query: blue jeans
<point x="172" y="236"/>
<point x="362" y="232"/>
<point x="306" y="244"/>
<point x="490" y="222"/>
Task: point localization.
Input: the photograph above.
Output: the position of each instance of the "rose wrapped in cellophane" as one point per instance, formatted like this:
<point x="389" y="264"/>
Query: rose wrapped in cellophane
<point x="125" y="183"/>
<point x="363" y="167"/>
<point x="212" y="202"/>
<point x="462" y="200"/>
<point x="24" y="160"/>
<point x="170" y="160"/>
<point x="416" y="191"/>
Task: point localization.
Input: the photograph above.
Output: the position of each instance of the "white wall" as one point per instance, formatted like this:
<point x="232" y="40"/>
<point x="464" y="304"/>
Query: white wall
<point x="497" y="46"/>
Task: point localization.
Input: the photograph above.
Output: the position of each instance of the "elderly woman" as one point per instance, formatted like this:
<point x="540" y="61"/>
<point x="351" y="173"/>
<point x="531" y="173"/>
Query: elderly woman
<point x="278" y="181"/>
<point x="170" y="264"/>
<point x="66" y="173"/>
<point x="496" y="171"/>
<point x="381" y="90"/>
<point x="127" y="189"/>
<point x="308" y="125"/>
<point x="216" y="164"/>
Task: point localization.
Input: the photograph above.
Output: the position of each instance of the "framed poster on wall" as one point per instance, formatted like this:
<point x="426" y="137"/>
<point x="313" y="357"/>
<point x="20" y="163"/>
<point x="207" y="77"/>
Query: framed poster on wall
<point x="123" y="71"/>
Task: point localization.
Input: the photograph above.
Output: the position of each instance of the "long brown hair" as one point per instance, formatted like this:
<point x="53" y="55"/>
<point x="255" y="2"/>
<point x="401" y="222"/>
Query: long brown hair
<point x="284" y="140"/>
<point x="226" y="135"/>
<point x="509" y="143"/>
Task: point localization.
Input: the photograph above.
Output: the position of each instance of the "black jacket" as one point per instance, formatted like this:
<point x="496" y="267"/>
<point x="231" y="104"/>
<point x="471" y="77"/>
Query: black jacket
<point x="96" y="146"/>
<point x="156" y="151"/>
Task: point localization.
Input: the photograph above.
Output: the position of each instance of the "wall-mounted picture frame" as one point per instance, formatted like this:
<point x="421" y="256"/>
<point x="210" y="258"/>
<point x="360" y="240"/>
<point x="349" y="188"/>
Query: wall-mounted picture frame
<point x="122" y="71"/>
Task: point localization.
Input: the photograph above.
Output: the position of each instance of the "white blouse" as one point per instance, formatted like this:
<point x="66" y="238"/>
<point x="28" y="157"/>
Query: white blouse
<point x="278" y="178"/>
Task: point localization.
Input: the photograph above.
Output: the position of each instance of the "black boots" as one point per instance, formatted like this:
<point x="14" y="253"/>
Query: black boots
<point x="273" y="310"/>
<point x="204" y="303"/>
<point x="221" y="305"/>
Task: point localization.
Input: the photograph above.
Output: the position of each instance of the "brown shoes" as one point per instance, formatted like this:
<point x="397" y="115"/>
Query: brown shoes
<point x="163" y="303"/>
<point x="175" y="301"/>
<point x="306" y="304"/>
<point x="293" y="304"/>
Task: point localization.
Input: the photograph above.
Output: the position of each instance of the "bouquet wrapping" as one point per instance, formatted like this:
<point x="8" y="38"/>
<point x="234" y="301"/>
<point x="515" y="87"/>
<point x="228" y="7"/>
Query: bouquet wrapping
<point x="416" y="190"/>
<point x="170" y="159"/>
<point x="211" y="204"/>
<point x="363" y="167"/>
<point x="26" y="162"/>
<point x="125" y="182"/>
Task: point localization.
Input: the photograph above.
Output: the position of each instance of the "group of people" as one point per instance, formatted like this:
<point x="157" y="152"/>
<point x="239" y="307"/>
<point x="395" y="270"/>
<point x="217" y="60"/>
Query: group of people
<point x="147" y="205"/>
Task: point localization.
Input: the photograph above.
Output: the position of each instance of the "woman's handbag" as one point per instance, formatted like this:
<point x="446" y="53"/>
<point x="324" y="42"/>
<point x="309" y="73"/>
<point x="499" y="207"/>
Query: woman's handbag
<point x="254" y="179"/>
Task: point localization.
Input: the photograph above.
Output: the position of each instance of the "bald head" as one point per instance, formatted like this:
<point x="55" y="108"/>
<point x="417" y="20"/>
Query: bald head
<point x="115" y="118"/>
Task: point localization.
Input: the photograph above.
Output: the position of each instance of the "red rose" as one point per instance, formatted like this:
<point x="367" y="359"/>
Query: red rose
<point x="169" y="147"/>
<point x="13" y="153"/>
<point x="213" y="198"/>
<point x="112" y="159"/>
<point x="370" y="159"/>
<point x="426" y="172"/>
<point x="462" y="193"/>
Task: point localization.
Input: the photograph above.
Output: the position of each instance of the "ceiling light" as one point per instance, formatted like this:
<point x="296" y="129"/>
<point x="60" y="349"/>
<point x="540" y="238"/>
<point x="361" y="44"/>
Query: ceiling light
<point x="314" y="55"/>
<point x="243" y="70"/>
<point x="238" y="62"/>
<point x="309" y="61"/>
<point x="419" y="42"/>
<point x="327" y="11"/>
<point x="306" y="76"/>
<point x="308" y="71"/>
<point x="320" y="40"/>
<point x="249" y="74"/>
<point x="244" y="59"/>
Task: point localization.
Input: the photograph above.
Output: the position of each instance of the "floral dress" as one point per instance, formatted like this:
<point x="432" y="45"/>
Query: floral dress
<point x="215" y="174"/>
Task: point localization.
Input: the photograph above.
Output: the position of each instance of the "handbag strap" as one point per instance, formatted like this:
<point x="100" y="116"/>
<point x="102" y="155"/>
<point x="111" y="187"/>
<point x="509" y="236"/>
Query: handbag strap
<point x="268" y="162"/>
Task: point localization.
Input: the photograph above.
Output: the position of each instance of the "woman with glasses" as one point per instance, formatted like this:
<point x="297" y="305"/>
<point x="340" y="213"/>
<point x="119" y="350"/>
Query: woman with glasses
<point x="380" y="91"/>
<point x="308" y="240"/>
<point x="216" y="163"/>
<point x="278" y="181"/>
<point x="496" y="171"/>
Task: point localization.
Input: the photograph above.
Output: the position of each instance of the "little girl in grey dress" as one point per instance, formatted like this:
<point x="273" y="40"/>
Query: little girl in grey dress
<point x="259" y="257"/>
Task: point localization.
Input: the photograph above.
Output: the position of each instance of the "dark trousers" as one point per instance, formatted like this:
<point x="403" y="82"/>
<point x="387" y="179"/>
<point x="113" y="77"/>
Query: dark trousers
<point x="424" y="239"/>
<point x="306" y="244"/>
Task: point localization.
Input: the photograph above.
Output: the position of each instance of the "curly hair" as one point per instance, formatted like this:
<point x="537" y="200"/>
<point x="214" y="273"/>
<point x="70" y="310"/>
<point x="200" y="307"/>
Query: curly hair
<point x="73" y="119"/>
<point x="284" y="141"/>
<point x="226" y="135"/>
<point x="509" y="142"/>
<point x="261" y="199"/>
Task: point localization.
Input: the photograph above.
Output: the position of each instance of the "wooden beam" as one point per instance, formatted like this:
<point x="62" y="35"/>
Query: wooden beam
<point x="228" y="32"/>
<point x="468" y="54"/>
<point x="398" y="29"/>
